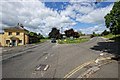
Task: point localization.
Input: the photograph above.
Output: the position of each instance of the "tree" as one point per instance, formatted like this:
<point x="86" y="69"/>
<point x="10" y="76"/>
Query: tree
<point x="33" y="34"/>
<point x="55" y="33"/>
<point x="93" y="34"/>
<point x="71" y="33"/>
<point x="40" y="36"/>
<point x="34" y="37"/>
<point x="105" y="32"/>
<point x="76" y="35"/>
<point x="112" y="19"/>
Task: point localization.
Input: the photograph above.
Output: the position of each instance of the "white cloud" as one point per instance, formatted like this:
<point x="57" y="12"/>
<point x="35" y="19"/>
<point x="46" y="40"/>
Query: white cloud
<point x="96" y="16"/>
<point x="34" y="15"/>
<point x="78" y="8"/>
<point x="97" y="29"/>
<point x="38" y="18"/>
<point x="81" y="0"/>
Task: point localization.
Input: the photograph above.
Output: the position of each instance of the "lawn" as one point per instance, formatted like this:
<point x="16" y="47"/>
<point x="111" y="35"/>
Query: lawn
<point x="72" y="41"/>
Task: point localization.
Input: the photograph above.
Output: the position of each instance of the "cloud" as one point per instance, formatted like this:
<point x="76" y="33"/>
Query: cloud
<point x="34" y="15"/>
<point x="77" y="9"/>
<point x="96" y="16"/>
<point x="97" y="29"/>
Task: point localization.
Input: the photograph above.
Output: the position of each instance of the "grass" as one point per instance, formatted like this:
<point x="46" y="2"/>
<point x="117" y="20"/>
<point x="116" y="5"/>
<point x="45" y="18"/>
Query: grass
<point x="41" y="41"/>
<point x="113" y="37"/>
<point x="109" y="36"/>
<point x="74" y="41"/>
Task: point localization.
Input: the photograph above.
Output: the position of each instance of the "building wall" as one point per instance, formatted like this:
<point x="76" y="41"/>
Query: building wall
<point x="6" y="36"/>
<point x="26" y="39"/>
<point x="2" y="40"/>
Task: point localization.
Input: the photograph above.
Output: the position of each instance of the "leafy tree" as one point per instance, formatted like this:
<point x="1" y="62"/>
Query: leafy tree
<point x="55" y="33"/>
<point x="105" y="32"/>
<point x="71" y="33"/>
<point x="93" y="34"/>
<point x="34" y="37"/>
<point x="76" y="35"/>
<point x="112" y="19"/>
<point x="40" y="36"/>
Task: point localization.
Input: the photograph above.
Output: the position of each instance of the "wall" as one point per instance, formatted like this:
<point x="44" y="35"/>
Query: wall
<point x="26" y="39"/>
<point x="2" y="40"/>
<point x="21" y="37"/>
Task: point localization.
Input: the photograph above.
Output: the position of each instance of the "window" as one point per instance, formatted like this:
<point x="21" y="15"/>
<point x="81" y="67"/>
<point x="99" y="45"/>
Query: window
<point x="20" y="41"/>
<point x="9" y="33"/>
<point x="17" y="33"/>
<point x="7" y="41"/>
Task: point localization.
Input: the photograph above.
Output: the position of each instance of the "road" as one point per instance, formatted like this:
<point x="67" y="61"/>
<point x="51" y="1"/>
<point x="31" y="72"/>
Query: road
<point x="62" y="59"/>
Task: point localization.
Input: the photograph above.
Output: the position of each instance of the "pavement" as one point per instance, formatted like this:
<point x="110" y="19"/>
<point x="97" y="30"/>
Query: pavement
<point x="64" y="61"/>
<point x="103" y="64"/>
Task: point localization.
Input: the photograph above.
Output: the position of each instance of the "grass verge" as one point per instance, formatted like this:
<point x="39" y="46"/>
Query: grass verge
<point x="41" y="41"/>
<point x="113" y="37"/>
<point x="109" y="36"/>
<point x="72" y="41"/>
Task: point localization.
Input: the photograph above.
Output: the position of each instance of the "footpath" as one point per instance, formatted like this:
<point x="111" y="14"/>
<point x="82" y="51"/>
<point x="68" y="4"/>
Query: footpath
<point x="106" y="65"/>
<point x="103" y="67"/>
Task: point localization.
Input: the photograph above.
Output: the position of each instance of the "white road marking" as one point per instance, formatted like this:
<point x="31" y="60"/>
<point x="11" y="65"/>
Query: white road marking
<point x="46" y="58"/>
<point x="46" y="67"/>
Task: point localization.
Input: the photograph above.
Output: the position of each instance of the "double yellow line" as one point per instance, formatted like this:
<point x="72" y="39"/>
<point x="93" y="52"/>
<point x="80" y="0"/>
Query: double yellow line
<point x="77" y="69"/>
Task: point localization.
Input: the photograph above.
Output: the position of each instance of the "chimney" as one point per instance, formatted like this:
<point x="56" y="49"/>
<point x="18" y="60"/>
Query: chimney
<point x="18" y="24"/>
<point x="21" y="25"/>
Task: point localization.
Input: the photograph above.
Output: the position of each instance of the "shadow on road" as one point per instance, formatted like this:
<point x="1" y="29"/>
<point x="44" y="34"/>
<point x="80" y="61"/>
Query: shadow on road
<point x="109" y="47"/>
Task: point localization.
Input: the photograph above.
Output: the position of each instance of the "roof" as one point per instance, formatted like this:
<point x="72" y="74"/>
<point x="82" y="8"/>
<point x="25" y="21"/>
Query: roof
<point x="18" y="27"/>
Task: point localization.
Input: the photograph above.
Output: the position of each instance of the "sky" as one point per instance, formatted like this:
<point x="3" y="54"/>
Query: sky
<point x="41" y="16"/>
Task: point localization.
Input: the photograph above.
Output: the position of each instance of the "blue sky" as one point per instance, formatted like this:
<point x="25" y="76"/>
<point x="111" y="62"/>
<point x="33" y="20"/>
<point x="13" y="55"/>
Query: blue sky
<point x="61" y="6"/>
<point x="40" y="16"/>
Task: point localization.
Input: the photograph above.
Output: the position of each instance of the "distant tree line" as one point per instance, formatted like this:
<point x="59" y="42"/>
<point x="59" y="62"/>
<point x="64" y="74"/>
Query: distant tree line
<point x="105" y="32"/>
<point x="55" y="33"/>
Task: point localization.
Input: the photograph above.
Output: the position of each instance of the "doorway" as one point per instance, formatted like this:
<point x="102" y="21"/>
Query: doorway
<point x="13" y="42"/>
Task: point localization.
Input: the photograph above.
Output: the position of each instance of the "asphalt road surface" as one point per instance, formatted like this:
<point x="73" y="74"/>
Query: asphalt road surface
<point x="62" y="59"/>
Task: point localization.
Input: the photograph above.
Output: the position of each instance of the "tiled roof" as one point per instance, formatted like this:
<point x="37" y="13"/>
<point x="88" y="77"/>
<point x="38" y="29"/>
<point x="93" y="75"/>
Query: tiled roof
<point x="16" y="27"/>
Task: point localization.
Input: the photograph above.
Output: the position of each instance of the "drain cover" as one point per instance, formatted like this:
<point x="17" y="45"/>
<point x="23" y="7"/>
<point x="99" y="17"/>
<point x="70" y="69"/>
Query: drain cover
<point x="41" y="67"/>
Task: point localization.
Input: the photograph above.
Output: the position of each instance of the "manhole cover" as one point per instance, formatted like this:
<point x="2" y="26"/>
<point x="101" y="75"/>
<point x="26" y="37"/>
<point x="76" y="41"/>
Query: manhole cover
<point x="42" y="67"/>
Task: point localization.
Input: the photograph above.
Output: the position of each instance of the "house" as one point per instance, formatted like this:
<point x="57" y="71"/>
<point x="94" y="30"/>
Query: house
<point x="14" y="36"/>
